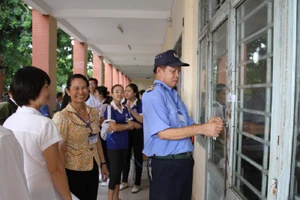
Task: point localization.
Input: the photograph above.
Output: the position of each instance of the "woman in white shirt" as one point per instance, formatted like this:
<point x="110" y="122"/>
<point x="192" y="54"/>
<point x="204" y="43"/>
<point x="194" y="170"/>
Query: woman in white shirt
<point x="38" y="136"/>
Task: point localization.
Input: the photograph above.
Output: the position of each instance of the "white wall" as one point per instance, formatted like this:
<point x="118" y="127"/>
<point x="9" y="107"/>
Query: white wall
<point x="188" y="9"/>
<point x="143" y="84"/>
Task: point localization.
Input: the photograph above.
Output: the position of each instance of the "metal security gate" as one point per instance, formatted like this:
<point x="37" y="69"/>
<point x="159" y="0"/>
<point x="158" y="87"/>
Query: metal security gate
<point x="237" y="66"/>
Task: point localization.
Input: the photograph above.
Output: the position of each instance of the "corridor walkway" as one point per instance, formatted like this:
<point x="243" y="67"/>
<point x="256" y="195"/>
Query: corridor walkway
<point x="126" y="194"/>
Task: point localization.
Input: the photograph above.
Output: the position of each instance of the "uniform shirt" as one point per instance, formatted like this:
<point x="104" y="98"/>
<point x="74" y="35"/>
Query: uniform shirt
<point x="13" y="181"/>
<point x="75" y="133"/>
<point x="102" y="108"/>
<point x="117" y="140"/>
<point x="92" y="101"/>
<point x="162" y="108"/>
<point x="35" y="133"/>
<point x="138" y="109"/>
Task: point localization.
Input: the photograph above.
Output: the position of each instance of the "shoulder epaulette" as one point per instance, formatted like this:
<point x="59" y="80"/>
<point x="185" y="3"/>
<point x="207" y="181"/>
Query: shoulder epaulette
<point x="150" y="88"/>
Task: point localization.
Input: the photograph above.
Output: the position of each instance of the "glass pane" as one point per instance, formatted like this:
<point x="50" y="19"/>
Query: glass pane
<point x="219" y="91"/>
<point x="254" y="90"/>
<point x="203" y="60"/>
<point x="203" y="14"/>
<point x="216" y="4"/>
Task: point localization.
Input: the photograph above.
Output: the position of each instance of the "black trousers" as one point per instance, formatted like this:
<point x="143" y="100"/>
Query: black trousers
<point x="84" y="184"/>
<point x="171" y="179"/>
<point x="104" y="147"/>
<point x="135" y="141"/>
<point x="117" y="160"/>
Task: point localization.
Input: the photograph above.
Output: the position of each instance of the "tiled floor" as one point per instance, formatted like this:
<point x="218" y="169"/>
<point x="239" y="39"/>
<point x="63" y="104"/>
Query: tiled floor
<point x="126" y="194"/>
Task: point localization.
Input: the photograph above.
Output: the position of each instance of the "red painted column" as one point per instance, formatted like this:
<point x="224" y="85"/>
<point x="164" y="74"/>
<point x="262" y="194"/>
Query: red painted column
<point x="115" y="76"/>
<point x="98" y="68"/>
<point x="108" y="76"/>
<point x="44" y="44"/>
<point x="121" y="79"/>
<point x="124" y="80"/>
<point x="80" y="58"/>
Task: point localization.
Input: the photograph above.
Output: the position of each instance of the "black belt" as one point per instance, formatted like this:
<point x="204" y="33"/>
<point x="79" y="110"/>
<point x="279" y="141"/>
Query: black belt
<point x="175" y="156"/>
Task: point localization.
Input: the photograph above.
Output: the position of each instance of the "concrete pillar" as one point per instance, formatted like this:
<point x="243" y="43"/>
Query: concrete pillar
<point x="108" y="78"/>
<point x="80" y="55"/>
<point x="126" y="81"/>
<point x="98" y="68"/>
<point x="115" y="76"/>
<point x="44" y="44"/>
<point x="121" y="79"/>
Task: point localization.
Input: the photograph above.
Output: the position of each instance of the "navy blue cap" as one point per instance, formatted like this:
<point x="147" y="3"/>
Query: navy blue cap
<point x="168" y="58"/>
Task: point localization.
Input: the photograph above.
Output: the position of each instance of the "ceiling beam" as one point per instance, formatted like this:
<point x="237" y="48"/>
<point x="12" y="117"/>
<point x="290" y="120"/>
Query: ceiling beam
<point x="120" y="41"/>
<point x="70" y="30"/>
<point x="99" y="13"/>
<point x="40" y="6"/>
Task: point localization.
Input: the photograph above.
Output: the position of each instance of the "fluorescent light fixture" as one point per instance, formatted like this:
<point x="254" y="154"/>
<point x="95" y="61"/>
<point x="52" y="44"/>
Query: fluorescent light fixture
<point x="120" y="28"/>
<point x="129" y="47"/>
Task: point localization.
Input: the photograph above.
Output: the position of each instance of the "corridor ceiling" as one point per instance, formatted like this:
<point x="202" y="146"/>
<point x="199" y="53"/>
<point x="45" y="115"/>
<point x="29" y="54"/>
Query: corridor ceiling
<point x="127" y="33"/>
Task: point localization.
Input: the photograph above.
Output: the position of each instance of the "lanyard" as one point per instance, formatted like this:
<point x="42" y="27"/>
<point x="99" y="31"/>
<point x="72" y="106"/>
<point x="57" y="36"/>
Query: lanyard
<point x="171" y="98"/>
<point x="88" y="124"/>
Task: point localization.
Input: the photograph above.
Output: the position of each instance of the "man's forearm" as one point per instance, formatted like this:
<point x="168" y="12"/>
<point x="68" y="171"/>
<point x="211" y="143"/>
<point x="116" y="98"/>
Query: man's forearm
<point x="180" y="133"/>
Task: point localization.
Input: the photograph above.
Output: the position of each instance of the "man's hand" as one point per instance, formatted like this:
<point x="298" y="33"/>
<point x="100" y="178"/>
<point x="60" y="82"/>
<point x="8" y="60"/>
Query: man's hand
<point x="213" y="127"/>
<point x="215" y="119"/>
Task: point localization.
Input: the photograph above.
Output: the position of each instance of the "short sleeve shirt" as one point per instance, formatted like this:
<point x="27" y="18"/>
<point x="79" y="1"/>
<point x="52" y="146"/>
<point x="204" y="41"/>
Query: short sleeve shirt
<point x="138" y="108"/>
<point x="75" y="133"/>
<point x="13" y="181"/>
<point x="164" y="109"/>
<point x="117" y="140"/>
<point x="35" y="133"/>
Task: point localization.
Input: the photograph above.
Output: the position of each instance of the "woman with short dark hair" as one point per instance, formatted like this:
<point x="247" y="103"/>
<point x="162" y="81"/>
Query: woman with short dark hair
<point x="38" y="136"/>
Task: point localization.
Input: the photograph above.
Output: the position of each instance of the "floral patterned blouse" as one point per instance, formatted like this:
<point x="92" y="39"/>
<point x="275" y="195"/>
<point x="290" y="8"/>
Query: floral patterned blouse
<point x="75" y="133"/>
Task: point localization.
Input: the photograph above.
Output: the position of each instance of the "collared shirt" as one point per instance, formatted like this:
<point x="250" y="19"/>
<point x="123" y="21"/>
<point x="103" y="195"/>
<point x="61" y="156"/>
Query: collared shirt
<point x="35" y="133"/>
<point x="92" y="101"/>
<point x="117" y="140"/>
<point x="162" y="109"/>
<point x="102" y="108"/>
<point x="137" y="107"/>
<point x="75" y="133"/>
<point x="13" y="181"/>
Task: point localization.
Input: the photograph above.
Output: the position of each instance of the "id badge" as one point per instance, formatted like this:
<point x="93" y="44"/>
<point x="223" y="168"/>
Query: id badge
<point x="181" y="118"/>
<point x="93" y="138"/>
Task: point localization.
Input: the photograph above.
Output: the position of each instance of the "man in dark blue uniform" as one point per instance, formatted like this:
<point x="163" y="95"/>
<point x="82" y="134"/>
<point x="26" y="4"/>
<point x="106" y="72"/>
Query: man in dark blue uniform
<point x="167" y="132"/>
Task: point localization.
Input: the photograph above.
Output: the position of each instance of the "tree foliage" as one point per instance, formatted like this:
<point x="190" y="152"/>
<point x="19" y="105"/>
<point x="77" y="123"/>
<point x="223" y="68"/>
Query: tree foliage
<point x="16" y="43"/>
<point x="15" y="36"/>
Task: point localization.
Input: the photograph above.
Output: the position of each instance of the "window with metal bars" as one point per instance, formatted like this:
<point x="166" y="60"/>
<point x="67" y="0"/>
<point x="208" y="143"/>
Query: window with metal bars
<point x="254" y="91"/>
